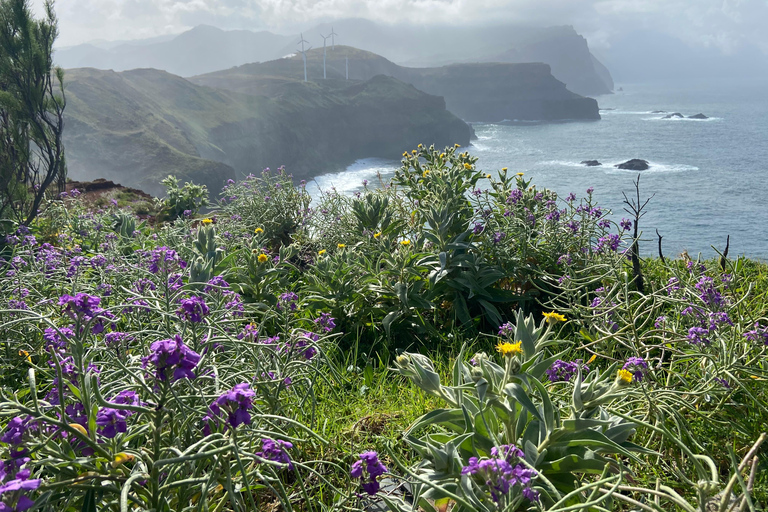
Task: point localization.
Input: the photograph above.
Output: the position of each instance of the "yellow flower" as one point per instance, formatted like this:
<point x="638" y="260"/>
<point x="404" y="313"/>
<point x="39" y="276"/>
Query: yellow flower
<point x="121" y="458"/>
<point x="405" y="153"/>
<point x="488" y="176"/>
<point x="414" y="151"/>
<point x="508" y="349"/>
<point x="321" y="252"/>
<point x="420" y="146"/>
<point x="258" y="230"/>
<point x="405" y="242"/>
<point x="592" y="359"/>
<point x="341" y="246"/>
<point x="467" y="166"/>
<point x="457" y="145"/>
<point x="442" y="155"/>
<point x="520" y="173"/>
<point x="424" y="174"/>
<point x="377" y="235"/>
<point x="207" y="221"/>
<point x="554" y="317"/>
<point x="624" y="376"/>
<point x="24" y="353"/>
<point x="263" y="258"/>
<point x="503" y="168"/>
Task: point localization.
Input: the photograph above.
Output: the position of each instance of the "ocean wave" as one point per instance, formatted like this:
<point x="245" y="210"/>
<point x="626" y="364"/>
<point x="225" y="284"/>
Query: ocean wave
<point x="350" y="180"/>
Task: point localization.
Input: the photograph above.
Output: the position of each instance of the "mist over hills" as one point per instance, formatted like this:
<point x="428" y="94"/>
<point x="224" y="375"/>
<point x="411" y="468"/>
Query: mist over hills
<point x="480" y="92"/>
<point x="205" y="49"/>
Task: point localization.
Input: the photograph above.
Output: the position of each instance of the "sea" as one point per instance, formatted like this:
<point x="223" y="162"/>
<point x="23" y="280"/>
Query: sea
<point x="708" y="179"/>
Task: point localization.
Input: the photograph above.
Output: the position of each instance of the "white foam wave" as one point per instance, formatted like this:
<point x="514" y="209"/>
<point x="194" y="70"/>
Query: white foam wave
<point x="609" y="167"/>
<point x="682" y="119"/>
<point x="351" y="179"/>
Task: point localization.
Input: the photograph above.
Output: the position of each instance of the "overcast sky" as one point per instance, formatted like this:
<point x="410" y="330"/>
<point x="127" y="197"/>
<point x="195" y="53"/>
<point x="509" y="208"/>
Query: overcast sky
<point x="725" y="24"/>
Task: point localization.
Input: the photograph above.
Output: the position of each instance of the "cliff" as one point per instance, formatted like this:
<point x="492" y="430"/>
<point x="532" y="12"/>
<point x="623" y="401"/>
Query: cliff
<point x="138" y="126"/>
<point x="485" y="92"/>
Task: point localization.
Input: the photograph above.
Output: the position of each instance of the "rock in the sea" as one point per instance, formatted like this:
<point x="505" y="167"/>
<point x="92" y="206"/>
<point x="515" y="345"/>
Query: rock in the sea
<point x="635" y="164"/>
<point x="590" y="163"/>
<point x="676" y="114"/>
<point x="658" y="112"/>
<point x="698" y="116"/>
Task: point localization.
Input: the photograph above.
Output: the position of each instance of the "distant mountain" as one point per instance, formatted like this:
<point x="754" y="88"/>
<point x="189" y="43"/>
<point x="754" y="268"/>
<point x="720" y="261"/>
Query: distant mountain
<point x="136" y="127"/>
<point x="200" y="50"/>
<point x="205" y="49"/>
<point x="483" y="92"/>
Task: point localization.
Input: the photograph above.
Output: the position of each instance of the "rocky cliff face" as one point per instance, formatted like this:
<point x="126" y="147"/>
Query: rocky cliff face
<point x="485" y="92"/>
<point x="138" y="126"/>
<point x="568" y="55"/>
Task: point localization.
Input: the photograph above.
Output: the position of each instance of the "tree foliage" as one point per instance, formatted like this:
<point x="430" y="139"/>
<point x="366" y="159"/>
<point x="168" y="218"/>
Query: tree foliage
<point x="31" y="111"/>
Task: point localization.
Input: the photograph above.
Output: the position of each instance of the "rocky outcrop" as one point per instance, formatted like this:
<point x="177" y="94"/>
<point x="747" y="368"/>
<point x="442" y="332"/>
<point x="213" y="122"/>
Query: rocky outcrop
<point x="698" y="116"/>
<point x="635" y="164"/>
<point x="675" y="115"/>
<point x="484" y="92"/>
<point x="590" y="163"/>
<point x="137" y="127"/>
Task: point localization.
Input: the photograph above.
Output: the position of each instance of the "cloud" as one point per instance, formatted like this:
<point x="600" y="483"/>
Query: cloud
<point x="724" y="24"/>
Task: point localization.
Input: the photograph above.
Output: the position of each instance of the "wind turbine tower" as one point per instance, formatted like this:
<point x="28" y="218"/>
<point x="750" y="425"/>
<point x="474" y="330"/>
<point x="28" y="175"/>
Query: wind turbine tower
<point x="333" y="39"/>
<point x="325" y="38"/>
<point x="304" y="54"/>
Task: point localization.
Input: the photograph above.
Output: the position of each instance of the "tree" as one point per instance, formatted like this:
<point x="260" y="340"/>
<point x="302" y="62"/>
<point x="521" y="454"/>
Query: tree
<point x="31" y="112"/>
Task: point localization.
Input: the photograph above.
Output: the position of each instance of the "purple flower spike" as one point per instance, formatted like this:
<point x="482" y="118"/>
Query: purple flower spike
<point x="368" y="469"/>
<point x="276" y="451"/>
<point x="236" y="403"/>
<point x="193" y="309"/>
<point x="172" y="358"/>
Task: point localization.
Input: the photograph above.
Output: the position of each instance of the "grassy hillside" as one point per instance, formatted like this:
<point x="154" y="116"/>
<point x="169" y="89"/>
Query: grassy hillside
<point x="138" y="126"/>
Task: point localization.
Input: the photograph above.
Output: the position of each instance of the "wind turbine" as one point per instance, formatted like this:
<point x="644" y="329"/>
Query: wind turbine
<point x="333" y="39"/>
<point x="325" y="38"/>
<point x="304" y="54"/>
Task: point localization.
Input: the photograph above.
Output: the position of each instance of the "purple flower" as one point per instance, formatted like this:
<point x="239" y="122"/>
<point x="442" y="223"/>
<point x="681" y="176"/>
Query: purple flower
<point x="172" y="358"/>
<point x="478" y="229"/>
<point x="165" y="259"/>
<point x="111" y="421"/>
<point x="698" y="336"/>
<point x="276" y="451"/>
<point x="562" y="371"/>
<point x="506" y="329"/>
<point x="574" y="226"/>
<point x="236" y="403"/>
<point x="502" y="474"/>
<point x="515" y="196"/>
<point x="758" y="334"/>
<point x="498" y="236"/>
<point x="608" y="243"/>
<point x="659" y="323"/>
<point x="193" y="309"/>
<point x="637" y="366"/>
<point x="15" y="430"/>
<point x="288" y="302"/>
<point x="216" y="284"/>
<point x="625" y="224"/>
<point x="368" y="469"/>
<point x="325" y="322"/>
<point x="22" y="482"/>
<point x="85" y="307"/>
